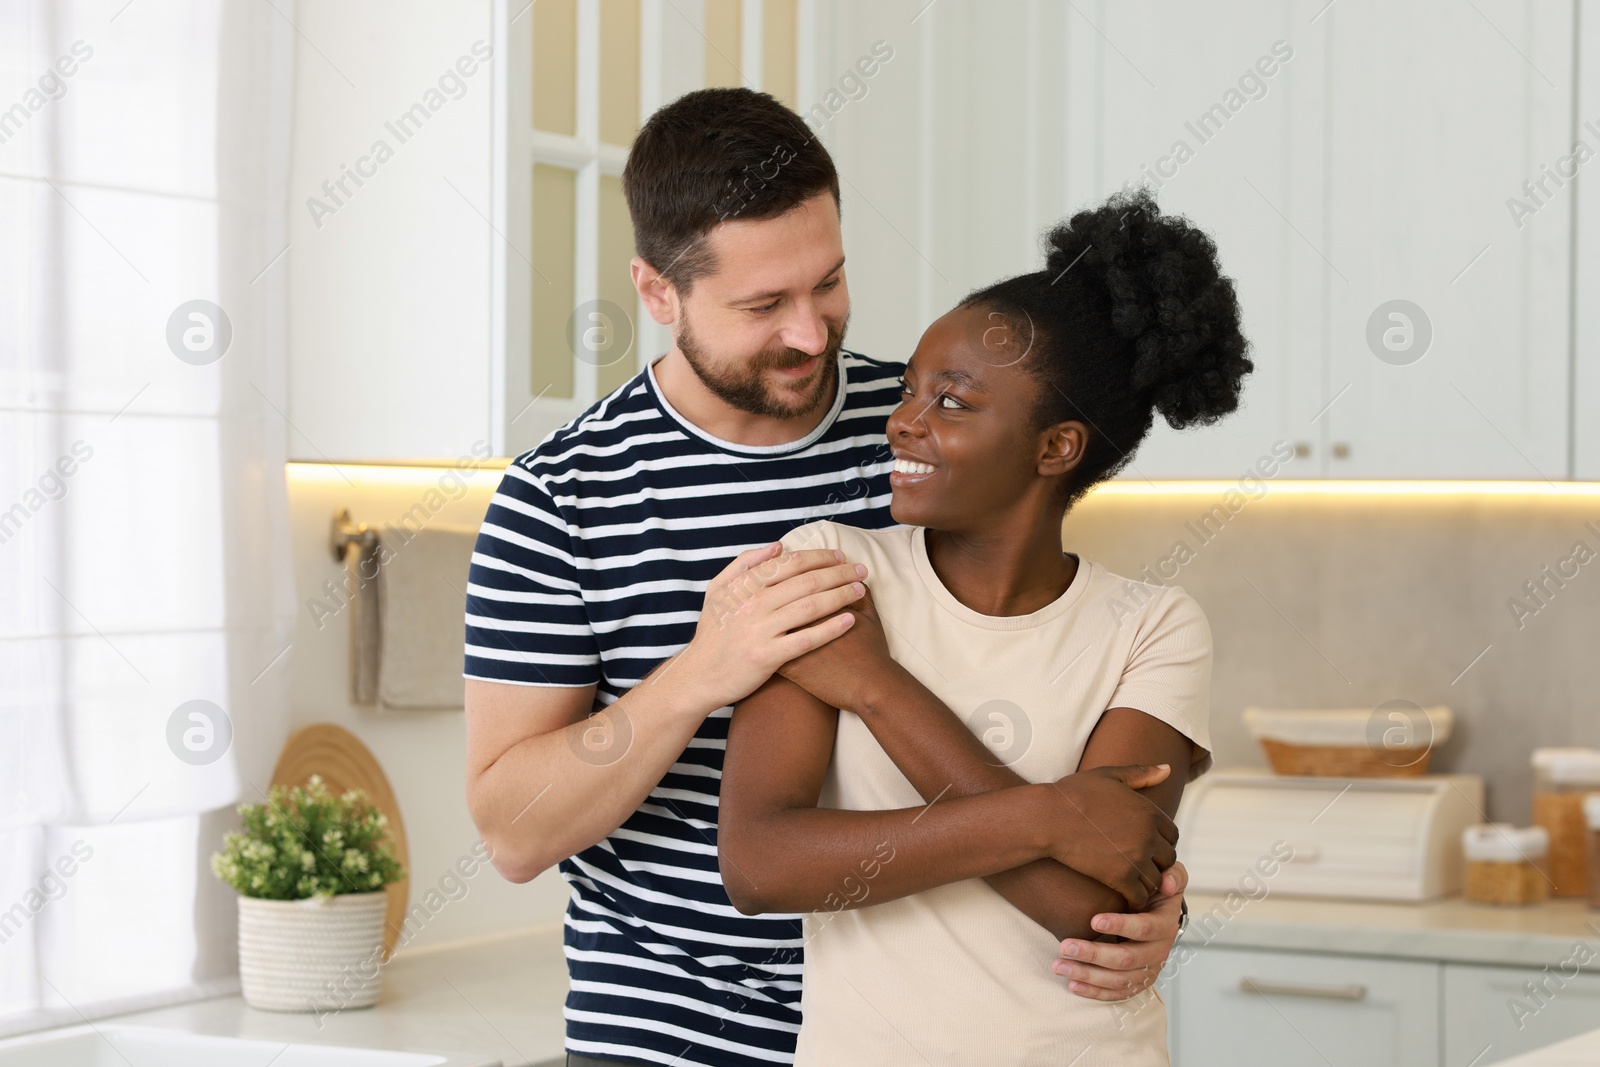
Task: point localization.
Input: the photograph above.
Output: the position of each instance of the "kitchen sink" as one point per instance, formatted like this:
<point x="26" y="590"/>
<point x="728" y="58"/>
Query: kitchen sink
<point x="143" y="1046"/>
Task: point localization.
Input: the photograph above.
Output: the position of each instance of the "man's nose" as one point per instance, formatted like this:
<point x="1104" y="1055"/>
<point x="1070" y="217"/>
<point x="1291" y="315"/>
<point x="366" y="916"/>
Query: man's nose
<point x="806" y="331"/>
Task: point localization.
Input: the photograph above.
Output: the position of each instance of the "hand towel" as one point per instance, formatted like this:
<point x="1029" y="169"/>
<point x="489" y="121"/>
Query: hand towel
<point x="422" y="606"/>
<point x="361" y="572"/>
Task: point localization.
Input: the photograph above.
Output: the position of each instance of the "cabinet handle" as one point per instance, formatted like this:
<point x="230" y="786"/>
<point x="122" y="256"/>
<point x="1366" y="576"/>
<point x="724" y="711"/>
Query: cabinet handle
<point x="1301" y="450"/>
<point x="1298" y="989"/>
<point x="1341" y="451"/>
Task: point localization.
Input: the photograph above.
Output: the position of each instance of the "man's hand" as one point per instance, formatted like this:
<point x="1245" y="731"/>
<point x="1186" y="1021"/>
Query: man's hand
<point x="761" y="611"/>
<point x="1102" y="970"/>
<point x="1101" y="827"/>
<point x="839" y="672"/>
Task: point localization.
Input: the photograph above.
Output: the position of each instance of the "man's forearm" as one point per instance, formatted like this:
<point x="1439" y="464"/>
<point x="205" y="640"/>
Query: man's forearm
<point x="556" y="794"/>
<point x="937" y="753"/>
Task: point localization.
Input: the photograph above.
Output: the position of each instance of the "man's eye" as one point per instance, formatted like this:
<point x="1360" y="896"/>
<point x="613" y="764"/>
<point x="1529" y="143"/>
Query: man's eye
<point x="954" y="403"/>
<point x="825" y="286"/>
<point x="764" y="307"/>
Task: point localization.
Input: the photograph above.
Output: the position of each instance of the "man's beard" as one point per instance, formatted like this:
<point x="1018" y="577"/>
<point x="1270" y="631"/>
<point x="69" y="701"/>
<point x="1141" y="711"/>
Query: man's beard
<point x="745" y="388"/>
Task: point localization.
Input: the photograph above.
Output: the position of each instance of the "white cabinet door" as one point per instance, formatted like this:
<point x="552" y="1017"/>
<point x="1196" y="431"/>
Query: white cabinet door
<point x="1492" y="1013"/>
<point x="1220" y="109"/>
<point x="1586" y="282"/>
<point x="387" y="256"/>
<point x="1384" y="160"/>
<point x="1242" y="1008"/>
<point x="1438" y="113"/>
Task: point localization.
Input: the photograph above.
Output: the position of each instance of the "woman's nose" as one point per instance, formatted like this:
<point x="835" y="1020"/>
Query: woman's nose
<point x="905" y="420"/>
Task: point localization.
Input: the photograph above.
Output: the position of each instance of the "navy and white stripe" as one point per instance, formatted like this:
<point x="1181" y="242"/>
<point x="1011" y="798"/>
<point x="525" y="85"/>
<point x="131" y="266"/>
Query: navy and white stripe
<point x="590" y="569"/>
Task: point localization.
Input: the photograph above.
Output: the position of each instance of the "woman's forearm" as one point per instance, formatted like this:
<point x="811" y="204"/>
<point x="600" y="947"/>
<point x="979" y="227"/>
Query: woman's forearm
<point x="927" y="742"/>
<point x="1057" y="897"/>
<point x="936" y="752"/>
<point x="825" y="859"/>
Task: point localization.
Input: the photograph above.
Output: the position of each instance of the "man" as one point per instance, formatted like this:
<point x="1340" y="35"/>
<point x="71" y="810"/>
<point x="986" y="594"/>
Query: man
<point x="608" y="635"/>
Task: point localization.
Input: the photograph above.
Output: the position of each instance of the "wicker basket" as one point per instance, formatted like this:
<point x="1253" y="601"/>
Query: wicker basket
<point x="1393" y="740"/>
<point x="1337" y="761"/>
<point x="311" y="955"/>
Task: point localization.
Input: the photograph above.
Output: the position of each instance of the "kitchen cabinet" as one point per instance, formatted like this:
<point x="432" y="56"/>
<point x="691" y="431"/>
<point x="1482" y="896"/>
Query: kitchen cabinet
<point x="1220" y="108"/>
<point x="1586" y="281"/>
<point x="1492" y="1013"/>
<point x="1406" y="322"/>
<point x="388" y="252"/>
<point x="466" y="284"/>
<point x="1437" y="114"/>
<point x="1345" y="156"/>
<point x="1244" y="1008"/>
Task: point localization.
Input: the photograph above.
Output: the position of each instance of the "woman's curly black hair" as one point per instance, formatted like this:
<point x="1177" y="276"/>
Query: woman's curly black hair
<point x="1131" y="315"/>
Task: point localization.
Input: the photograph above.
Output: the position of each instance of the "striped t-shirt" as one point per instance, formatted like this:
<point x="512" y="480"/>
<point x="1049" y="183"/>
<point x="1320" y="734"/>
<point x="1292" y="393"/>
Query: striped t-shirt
<point x="590" y="569"/>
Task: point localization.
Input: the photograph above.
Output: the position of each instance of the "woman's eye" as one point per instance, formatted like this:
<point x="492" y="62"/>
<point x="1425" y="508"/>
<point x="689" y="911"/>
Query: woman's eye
<point x="954" y="403"/>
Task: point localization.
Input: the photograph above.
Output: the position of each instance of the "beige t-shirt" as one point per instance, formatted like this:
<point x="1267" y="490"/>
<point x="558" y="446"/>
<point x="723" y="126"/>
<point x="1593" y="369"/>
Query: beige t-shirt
<point x="955" y="974"/>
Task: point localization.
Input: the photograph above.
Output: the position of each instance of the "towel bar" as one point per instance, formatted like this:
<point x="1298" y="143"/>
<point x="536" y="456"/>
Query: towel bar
<point x="342" y="532"/>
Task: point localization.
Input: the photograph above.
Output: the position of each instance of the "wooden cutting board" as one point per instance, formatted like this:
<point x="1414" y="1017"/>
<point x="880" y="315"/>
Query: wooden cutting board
<point x="345" y="763"/>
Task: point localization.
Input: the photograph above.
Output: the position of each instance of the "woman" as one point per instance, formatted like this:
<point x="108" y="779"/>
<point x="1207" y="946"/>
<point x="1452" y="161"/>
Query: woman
<point x="937" y="907"/>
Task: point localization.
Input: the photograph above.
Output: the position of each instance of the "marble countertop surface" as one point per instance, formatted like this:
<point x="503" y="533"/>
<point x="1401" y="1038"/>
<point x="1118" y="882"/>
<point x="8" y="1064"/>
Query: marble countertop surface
<point x="487" y="1003"/>
<point x="1449" y="930"/>
<point x="497" y="1001"/>
<point x="1580" y="1051"/>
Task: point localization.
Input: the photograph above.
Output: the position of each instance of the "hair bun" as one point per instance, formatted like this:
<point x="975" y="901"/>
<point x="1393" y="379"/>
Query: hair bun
<point x="1166" y="295"/>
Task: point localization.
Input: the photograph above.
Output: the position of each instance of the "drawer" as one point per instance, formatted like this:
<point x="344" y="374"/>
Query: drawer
<point x="1249" y="1008"/>
<point x="1491" y="1013"/>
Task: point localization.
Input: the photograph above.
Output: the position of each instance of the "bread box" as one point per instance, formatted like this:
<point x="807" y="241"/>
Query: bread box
<point x="1360" y="838"/>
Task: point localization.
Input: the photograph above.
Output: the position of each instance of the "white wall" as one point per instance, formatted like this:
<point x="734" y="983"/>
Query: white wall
<point x="423" y="753"/>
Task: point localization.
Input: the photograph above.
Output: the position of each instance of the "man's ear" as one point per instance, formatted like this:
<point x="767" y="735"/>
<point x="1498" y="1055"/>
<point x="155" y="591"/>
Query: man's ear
<point x="1062" y="447"/>
<point x="659" y="295"/>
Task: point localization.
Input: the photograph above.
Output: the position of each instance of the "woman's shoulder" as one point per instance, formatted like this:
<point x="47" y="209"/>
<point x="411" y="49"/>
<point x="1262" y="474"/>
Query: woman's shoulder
<point x="1149" y="603"/>
<point x="825" y="533"/>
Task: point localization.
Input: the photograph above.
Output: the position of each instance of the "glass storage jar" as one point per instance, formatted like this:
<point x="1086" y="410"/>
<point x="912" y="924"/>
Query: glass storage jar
<point x="1561" y="778"/>
<point x="1591" y="816"/>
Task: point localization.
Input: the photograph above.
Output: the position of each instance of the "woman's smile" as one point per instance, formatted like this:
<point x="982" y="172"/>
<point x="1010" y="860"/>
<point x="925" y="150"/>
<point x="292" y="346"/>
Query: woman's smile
<point x="909" y="471"/>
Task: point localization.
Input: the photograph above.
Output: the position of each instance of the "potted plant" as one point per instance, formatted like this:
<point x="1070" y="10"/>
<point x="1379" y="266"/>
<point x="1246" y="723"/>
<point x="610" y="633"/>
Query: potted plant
<point x="310" y="869"/>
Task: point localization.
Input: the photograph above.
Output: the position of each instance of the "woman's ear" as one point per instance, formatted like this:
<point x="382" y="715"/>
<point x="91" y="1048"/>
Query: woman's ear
<point x="1063" y="446"/>
<point x="660" y="296"/>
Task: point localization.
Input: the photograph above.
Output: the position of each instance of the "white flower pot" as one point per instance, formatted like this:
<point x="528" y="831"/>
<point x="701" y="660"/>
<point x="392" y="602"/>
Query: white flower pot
<point x="312" y="955"/>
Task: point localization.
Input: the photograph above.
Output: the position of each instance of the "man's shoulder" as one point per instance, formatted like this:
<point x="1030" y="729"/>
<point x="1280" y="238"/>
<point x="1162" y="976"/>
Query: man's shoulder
<point x="865" y="372"/>
<point x="888" y="366"/>
<point x="624" y="411"/>
<point x="871" y="391"/>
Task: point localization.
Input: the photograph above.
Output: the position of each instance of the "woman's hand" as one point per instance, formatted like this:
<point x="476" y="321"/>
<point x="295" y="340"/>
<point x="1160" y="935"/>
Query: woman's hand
<point x="1103" y="970"/>
<point x="1101" y="827"/>
<point x="842" y="672"/>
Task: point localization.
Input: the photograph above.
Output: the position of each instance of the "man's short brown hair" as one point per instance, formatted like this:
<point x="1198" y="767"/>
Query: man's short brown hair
<point x="712" y="156"/>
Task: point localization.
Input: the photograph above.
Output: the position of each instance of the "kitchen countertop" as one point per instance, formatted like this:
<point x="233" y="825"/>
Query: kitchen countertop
<point x="1580" y="1051"/>
<point x="498" y="1000"/>
<point x="484" y="1003"/>
<point x="1450" y="930"/>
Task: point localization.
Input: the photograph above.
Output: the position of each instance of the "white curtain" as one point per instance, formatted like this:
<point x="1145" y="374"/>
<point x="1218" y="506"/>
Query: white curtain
<point x="144" y="559"/>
